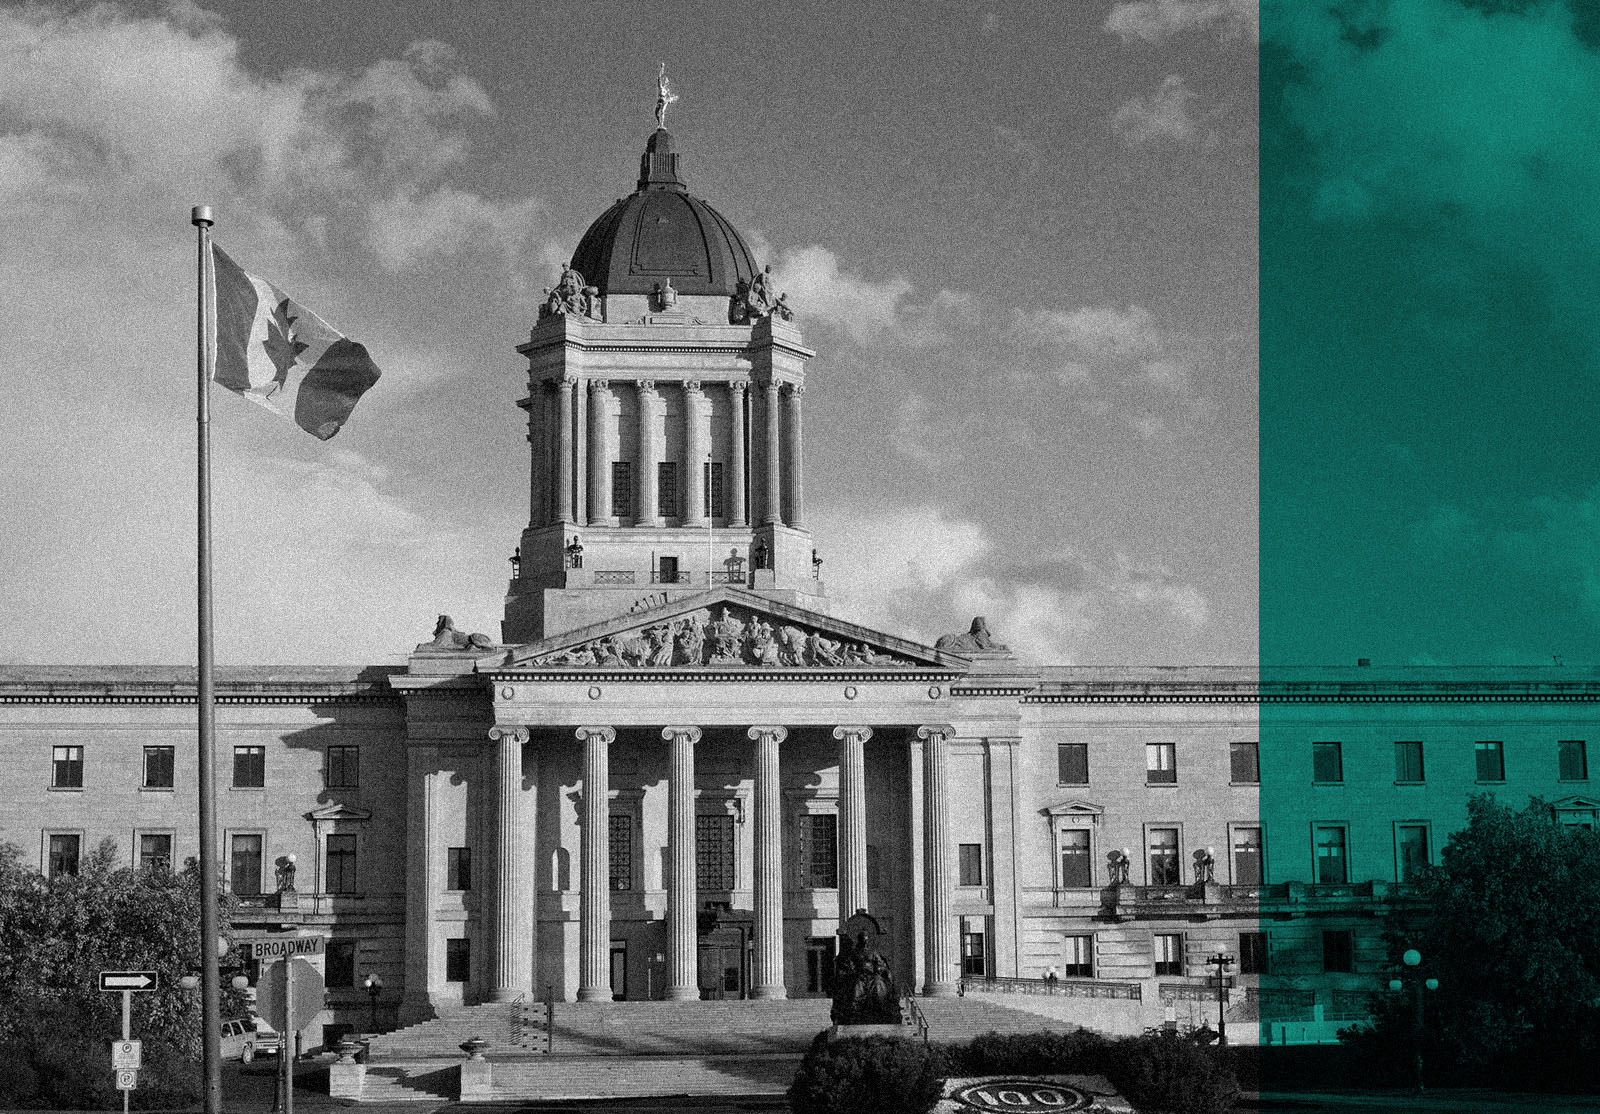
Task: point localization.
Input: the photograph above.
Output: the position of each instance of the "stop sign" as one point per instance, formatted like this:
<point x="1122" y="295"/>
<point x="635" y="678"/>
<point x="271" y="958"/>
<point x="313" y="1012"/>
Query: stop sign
<point x="307" y="996"/>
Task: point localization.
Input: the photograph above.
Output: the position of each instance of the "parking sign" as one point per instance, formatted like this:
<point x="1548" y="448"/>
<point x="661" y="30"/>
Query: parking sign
<point x="126" y="1055"/>
<point x="127" y="1080"/>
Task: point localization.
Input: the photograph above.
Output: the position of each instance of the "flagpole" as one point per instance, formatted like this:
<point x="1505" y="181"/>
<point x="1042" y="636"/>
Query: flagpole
<point x="210" y="975"/>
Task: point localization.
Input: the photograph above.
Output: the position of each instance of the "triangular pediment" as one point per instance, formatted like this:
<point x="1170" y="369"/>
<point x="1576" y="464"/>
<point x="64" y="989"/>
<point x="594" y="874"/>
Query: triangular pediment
<point x="339" y="811"/>
<point x="729" y="628"/>
<point x="1579" y="802"/>
<point x="1075" y="808"/>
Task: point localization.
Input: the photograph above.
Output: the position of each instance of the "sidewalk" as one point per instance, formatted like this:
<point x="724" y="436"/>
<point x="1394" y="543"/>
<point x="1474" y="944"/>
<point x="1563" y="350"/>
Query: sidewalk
<point x="1446" y="1101"/>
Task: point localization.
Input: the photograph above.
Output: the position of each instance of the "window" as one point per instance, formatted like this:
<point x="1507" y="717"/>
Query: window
<point x="1331" y="868"/>
<point x="1161" y="763"/>
<point x="1411" y="851"/>
<point x="1164" y="857"/>
<point x="1244" y="763"/>
<point x="341" y="864"/>
<point x="63" y="861"/>
<point x="974" y="960"/>
<point x="1337" y="952"/>
<point x="458" y="868"/>
<point x="667" y="489"/>
<point x="820" y="957"/>
<point x="1247" y="857"/>
<point x="244" y="865"/>
<point x="1169" y="953"/>
<point x="1491" y="759"/>
<point x="1408" y="761"/>
<point x="622" y="488"/>
<point x="667" y="571"/>
<point x="457" y="960"/>
<point x="1079" y="952"/>
<point x="249" y="767"/>
<point x="619" y="851"/>
<point x="970" y="861"/>
<point x="158" y="767"/>
<point x="66" y="768"/>
<point x="713" y="852"/>
<point x="1253" y="953"/>
<point x="342" y="771"/>
<point x="155" y="852"/>
<point x="341" y="963"/>
<point x="714" y="501"/>
<point x="819" y="851"/>
<point x="1072" y="764"/>
<point x="1327" y="763"/>
<point x="1572" y="760"/>
<point x="1075" y="862"/>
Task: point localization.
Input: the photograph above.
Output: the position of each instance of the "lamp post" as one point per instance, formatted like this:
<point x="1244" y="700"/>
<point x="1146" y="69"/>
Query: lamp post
<point x="1413" y="959"/>
<point x="374" y="986"/>
<point x="1221" y="961"/>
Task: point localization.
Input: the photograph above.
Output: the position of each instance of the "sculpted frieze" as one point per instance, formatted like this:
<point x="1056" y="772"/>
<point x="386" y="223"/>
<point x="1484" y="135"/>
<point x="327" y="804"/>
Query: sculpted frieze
<point x="730" y="636"/>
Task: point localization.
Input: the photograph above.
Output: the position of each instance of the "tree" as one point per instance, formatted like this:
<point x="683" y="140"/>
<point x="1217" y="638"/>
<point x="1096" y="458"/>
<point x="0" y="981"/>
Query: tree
<point x="1512" y="933"/>
<point x="56" y="936"/>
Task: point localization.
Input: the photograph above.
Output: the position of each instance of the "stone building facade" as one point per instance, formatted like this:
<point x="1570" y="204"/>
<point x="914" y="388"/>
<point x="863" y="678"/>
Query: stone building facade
<point x="675" y="773"/>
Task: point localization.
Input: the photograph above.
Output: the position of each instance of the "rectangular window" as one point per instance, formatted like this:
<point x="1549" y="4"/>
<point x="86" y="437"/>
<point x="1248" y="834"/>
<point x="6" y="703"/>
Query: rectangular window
<point x="1331" y="868"/>
<point x="457" y="960"/>
<point x="155" y="852"/>
<point x="1411" y="851"/>
<point x="714" y="501"/>
<point x="974" y="954"/>
<point x="1247" y="856"/>
<point x="1408" y="761"/>
<point x="244" y="865"/>
<point x="819" y="851"/>
<point x="341" y="963"/>
<point x="713" y="852"/>
<point x="249" y="767"/>
<point x="1075" y="863"/>
<point x="1244" y="763"/>
<point x="458" y="868"/>
<point x="1338" y="956"/>
<point x="1572" y="760"/>
<point x="1072" y="764"/>
<point x="1169" y="953"/>
<point x="66" y="768"/>
<point x="1253" y="953"/>
<point x="341" y="864"/>
<point x="1491" y="759"/>
<point x="667" y="571"/>
<point x="1161" y="763"/>
<point x="622" y="489"/>
<point x="619" y="851"/>
<point x="1164" y="857"/>
<point x="64" y="855"/>
<point x="821" y="953"/>
<point x="667" y="489"/>
<point x="158" y="767"/>
<point x="343" y="768"/>
<point x="970" y="856"/>
<point x="1327" y="763"/>
<point x="1079" y="953"/>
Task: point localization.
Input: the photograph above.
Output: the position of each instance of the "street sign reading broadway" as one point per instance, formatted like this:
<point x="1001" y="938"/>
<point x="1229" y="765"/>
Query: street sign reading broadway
<point x="1088" y="1094"/>
<point x="286" y="947"/>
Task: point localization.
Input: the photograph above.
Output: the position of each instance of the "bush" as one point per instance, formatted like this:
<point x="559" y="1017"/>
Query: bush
<point x="866" y="1075"/>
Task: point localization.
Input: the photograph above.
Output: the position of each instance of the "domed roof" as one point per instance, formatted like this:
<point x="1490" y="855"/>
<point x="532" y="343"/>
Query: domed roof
<point x="659" y="233"/>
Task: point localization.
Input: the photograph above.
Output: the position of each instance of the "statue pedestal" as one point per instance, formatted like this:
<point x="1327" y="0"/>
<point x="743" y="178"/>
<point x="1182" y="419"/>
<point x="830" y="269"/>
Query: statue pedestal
<point x="839" y="1032"/>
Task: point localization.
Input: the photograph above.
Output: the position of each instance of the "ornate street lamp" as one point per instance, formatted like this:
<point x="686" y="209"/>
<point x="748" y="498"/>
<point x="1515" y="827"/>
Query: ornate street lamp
<point x="1221" y="961"/>
<point x="1412" y="958"/>
<point x="574" y="553"/>
<point x="516" y="566"/>
<point x="374" y="986"/>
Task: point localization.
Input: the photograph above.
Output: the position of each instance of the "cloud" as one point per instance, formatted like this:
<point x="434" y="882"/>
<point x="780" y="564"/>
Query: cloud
<point x="868" y="312"/>
<point x="1162" y="116"/>
<point x="1156" y="21"/>
<point x="926" y="572"/>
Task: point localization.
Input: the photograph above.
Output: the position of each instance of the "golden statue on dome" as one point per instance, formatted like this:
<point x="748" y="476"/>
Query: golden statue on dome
<point x="665" y="96"/>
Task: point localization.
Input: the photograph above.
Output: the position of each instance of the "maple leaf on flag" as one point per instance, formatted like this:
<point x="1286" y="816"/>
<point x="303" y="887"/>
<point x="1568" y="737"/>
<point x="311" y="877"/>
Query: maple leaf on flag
<point x="283" y="347"/>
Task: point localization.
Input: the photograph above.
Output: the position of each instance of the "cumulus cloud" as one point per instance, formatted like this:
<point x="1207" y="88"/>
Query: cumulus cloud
<point x="868" y="312"/>
<point x="1162" y="116"/>
<point x="1156" y="21"/>
<point x="926" y="572"/>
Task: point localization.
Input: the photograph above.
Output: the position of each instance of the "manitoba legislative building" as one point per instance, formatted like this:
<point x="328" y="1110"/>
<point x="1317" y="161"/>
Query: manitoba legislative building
<point x="674" y="772"/>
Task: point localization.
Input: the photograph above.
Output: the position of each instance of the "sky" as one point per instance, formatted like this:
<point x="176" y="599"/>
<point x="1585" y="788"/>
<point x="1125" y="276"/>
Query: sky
<point x="1023" y="241"/>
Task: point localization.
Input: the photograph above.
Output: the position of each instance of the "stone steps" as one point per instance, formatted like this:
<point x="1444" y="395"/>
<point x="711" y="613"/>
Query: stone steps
<point x="636" y="1077"/>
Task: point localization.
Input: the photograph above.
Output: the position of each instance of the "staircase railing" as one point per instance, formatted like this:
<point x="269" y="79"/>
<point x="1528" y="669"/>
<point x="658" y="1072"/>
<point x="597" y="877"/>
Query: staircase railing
<point x="550" y="1018"/>
<point x="919" y="1020"/>
<point x="518" y="1022"/>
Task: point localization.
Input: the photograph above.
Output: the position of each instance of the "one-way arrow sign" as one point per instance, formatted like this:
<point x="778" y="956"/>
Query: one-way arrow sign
<point x="129" y="980"/>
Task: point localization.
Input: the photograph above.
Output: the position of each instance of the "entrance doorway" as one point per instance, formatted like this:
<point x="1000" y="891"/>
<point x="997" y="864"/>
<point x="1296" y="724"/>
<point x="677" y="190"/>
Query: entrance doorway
<point x="619" y="970"/>
<point x="821" y="953"/>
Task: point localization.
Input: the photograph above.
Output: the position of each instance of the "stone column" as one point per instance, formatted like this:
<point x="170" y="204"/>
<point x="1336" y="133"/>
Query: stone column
<point x="683" y="944"/>
<point x="580" y="453"/>
<point x="599" y="458"/>
<point x="594" y="900"/>
<point x="737" y="459"/>
<point x="768" y="974"/>
<point x="648" y="511"/>
<point x="852" y="818"/>
<point x="938" y="925"/>
<point x="511" y="919"/>
<point x="536" y="454"/>
<point x="792" y="463"/>
<point x="694" y="456"/>
<point x="772" y="513"/>
<point x="564" y="452"/>
<point x="422" y="885"/>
